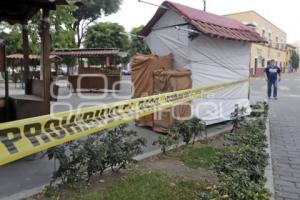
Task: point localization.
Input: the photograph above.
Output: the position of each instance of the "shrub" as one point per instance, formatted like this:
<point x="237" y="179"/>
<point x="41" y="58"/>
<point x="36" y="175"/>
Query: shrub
<point x="71" y="160"/>
<point x="238" y="117"/>
<point x="191" y="129"/>
<point x="197" y="127"/>
<point x="81" y="159"/>
<point x="166" y="141"/>
<point x="241" y="166"/>
<point x="122" y="146"/>
<point x="96" y="156"/>
<point x="259" y="110"/>
<point x="187" y="130"/>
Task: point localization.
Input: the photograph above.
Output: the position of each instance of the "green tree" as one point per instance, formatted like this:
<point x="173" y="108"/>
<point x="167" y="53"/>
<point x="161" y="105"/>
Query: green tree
<point x="137" y="44"/>
<point x="89" y="11"/>
<point x="295" y="60"/>
<point x="62" y="34"/>
<point x="106" y="35"/>
<point x="12" y="37"/>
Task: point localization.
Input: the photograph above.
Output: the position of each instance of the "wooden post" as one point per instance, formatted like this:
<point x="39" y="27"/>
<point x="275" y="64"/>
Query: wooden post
<point x="56" y="69"/>
<point x="25" y="56"/>
<point x="107" y="61"/>
<point x="4" y="69"/>
<point x="45" y="62"/>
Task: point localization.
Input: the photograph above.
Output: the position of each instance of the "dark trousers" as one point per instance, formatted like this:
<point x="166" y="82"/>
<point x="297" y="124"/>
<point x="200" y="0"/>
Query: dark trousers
<point x="272" y="84"/>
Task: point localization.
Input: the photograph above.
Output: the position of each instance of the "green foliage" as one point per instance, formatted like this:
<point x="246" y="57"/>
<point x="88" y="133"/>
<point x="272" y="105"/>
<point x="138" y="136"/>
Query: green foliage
<point x="137" y="44"/>
<point x="61" y="31"/>
<point x="295" y="60"/>
<point x="121" y="146"/>
<point x="241" y="166"/>
<point x="71" y="161"/>
<point x="186" y="130"/>
<point x="89" y="11"/>
<point x="198" y="127"/>
<point x="96" y="155"/>
<point x="106" y="35"/>
<point x="259" y="110"/>
<point x="62" y="34"/>
<point x="12" y="37"/>
<point x="238" y="117"/>
<point x="191" y="129"/>
<point x="199" y="157"/>
<point x="166" y="141"/>
<point x="81" y="159"/>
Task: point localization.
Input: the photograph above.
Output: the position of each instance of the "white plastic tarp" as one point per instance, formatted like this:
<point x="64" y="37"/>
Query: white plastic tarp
<point x="212" y="61"/>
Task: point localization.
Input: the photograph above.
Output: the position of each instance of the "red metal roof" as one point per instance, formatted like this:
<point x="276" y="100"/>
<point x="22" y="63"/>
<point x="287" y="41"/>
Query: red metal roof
<point x="207" y="23"/>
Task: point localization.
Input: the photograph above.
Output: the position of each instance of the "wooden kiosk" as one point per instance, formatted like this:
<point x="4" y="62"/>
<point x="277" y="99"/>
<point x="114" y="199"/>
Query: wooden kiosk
<point x="34" y="61"/>
<point x="106" y="77"/>
<point x="37" y="92"/>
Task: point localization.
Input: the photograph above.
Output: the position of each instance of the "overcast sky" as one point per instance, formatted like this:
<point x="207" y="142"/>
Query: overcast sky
<point x="284" y="14"/>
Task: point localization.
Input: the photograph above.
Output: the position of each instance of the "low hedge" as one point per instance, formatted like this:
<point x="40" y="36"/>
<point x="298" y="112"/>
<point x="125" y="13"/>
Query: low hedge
<point x="81" y="159"/>
<point x="241" y="164"/>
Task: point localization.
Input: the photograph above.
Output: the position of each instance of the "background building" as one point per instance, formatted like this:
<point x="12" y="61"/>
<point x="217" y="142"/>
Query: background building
<point x="262" y="53"/>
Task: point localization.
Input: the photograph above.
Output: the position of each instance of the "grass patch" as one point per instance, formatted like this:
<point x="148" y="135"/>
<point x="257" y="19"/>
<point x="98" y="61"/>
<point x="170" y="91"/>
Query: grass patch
<point x="199" y="157"/>
<point x="150" y="186"/>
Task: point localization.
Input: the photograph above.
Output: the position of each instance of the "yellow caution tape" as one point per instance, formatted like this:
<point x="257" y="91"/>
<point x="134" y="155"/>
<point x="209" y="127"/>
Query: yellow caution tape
<point x="22" y="138"/>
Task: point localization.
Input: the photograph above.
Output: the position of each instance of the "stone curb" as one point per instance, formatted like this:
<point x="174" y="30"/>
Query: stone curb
<point x="269" y="169"/>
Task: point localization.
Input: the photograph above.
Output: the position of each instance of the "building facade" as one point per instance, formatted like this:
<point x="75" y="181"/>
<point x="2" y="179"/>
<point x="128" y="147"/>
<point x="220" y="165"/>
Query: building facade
<point x="261" y="54"/>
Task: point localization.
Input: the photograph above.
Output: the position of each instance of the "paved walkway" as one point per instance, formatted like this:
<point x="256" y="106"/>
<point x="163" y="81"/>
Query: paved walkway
<point x="285" y="135"/>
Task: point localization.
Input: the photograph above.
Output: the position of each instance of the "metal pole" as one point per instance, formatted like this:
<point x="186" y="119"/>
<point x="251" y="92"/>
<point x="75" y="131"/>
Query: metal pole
<point x="204" y="5"/>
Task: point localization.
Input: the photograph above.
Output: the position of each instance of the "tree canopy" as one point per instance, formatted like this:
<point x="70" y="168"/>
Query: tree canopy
<point x="62" y="34"/>
<point x="295" y="60"/>
<point x="89" y="11"/>
<point x="137" y="44"/>
<point x="106" y="35"/>
<point x="12" y="37"/>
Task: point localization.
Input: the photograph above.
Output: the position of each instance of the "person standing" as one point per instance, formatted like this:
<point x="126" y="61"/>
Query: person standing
<point x="272" y="75"/>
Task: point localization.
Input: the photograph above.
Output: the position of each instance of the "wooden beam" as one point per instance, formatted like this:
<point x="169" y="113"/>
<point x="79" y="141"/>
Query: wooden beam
<point x="3" y="68"/>
<point x="45" y="61"/>
<point x="25" y="56"/>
